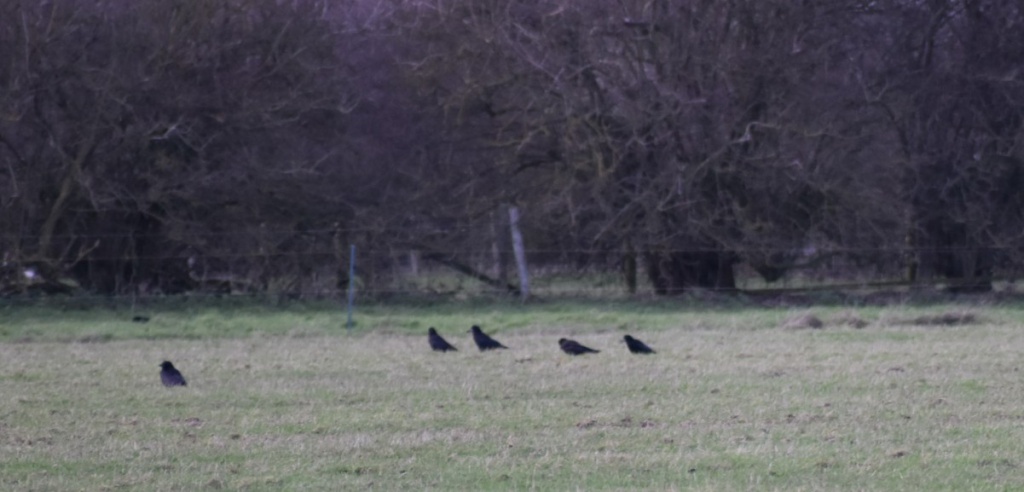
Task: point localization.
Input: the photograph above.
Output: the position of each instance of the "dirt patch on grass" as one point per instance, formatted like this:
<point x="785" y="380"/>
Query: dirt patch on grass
<point x="803" y="321"/>
<point x="952" y="318"/>
<point x="847" y="318"/>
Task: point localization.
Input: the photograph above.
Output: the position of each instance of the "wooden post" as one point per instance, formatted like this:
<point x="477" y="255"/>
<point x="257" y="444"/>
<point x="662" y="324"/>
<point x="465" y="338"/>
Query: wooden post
<point x="351" y="284"/>
<point x="499" y="246"/>
<point x="414" y="263"/>
<point x="519" y="251"/>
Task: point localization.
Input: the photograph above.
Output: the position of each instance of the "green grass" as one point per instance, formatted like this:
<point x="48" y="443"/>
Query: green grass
<point x="287" y="400"/>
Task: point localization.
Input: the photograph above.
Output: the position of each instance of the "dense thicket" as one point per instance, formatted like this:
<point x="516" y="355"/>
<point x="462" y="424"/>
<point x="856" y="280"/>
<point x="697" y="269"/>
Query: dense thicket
<point x="169" y="146"/>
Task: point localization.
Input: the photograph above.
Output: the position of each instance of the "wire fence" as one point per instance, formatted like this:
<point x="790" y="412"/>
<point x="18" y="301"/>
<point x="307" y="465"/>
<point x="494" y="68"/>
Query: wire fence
<point x="402" y="278"/>
<point x="261" y="263"/>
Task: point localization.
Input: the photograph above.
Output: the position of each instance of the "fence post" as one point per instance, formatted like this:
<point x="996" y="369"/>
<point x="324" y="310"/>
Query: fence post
<point x="351" y="284"/>
<point x="520" y="252"/>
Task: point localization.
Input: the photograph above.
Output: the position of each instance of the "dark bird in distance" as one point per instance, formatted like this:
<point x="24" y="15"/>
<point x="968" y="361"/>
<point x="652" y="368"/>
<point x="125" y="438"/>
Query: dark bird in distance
<point x="140" y="319"/>
<point x="572" y="347"/>
<point x="636" y="346"/>
<point x="483" y="341"/>
<point x="170" y="376"/>
<point x="437" y="343"/>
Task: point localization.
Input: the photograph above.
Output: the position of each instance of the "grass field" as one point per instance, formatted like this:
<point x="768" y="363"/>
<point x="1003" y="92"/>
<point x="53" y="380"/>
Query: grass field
<point x="738" y="398"/>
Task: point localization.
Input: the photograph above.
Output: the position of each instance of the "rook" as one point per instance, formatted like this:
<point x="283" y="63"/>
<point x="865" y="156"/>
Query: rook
<point x="572" y="347"/>
<point x="483" y="341"/>
<point x="170" y="376"/>
<point x="636" y="346"/>
<point x="437" y="343"/>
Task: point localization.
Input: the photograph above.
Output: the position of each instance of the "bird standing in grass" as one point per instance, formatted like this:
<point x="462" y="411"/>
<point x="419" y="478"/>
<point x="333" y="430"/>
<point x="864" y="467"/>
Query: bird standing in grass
<point x="437" y="343"/>
<point x="636" y="346"/>
<point x="171" y="376"/>
<point x="572" y="347"/>
<point x="483" y="341"/>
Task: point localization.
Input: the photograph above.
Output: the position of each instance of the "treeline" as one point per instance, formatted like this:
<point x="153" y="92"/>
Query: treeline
<point x="169" y="146"/>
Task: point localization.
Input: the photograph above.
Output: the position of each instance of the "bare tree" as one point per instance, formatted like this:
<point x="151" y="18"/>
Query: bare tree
<point x="244" y="144"/>
<point x="953" y="94"/>
<point x="690" y="133"/>
<point x="135" y="132"/>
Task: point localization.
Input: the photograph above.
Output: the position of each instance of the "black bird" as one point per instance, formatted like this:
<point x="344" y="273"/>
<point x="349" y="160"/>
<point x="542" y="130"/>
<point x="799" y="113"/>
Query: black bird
<point x="437" y="343"/>
<point x="170" y="376"/>
<point x="636" y="346"/>
<point x="572" y="347"/>
<point x="483" y="341"/>
<point x="140" y="319"/>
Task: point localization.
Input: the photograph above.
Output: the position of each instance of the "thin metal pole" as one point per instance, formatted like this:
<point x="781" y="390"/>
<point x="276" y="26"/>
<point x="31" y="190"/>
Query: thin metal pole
<point x="351" y="284"/>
